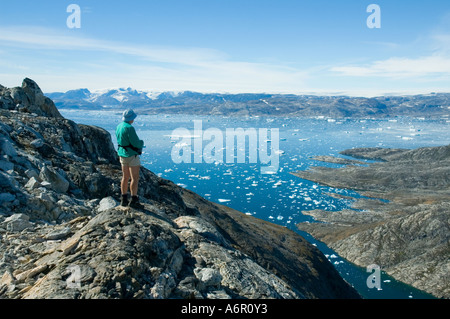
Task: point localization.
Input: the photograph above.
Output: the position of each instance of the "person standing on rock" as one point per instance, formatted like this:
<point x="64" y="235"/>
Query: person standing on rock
<point x="130" y="149"/>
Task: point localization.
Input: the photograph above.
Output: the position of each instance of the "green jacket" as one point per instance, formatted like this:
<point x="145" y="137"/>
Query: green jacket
<point x="126" y="136"/>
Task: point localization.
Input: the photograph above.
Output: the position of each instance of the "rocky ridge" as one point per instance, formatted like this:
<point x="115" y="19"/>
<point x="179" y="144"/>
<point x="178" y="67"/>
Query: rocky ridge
<point x="402" y="224"/>
<point x="434" y="105"/>
<point x="63" y="235"/>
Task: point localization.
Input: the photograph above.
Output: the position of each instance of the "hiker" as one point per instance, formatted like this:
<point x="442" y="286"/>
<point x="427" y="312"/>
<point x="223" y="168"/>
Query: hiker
<point x="130" y="148"/>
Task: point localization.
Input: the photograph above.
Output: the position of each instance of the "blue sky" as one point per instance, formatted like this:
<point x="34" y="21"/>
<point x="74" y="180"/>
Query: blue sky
<point x="319" y="47"/>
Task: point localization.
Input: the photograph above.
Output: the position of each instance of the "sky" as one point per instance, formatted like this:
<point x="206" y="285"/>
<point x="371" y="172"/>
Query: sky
<point x="234" y="46"/>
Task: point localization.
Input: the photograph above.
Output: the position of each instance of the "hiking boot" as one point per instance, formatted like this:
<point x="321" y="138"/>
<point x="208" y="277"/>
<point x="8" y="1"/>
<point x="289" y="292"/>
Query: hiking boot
<point x="134" y="203"/>
<point x="124" y="201"/>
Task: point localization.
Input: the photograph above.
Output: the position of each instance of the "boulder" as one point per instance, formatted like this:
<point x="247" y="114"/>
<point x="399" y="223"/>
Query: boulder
<point x="37" y="143"/>
<point x="208" y="276"/>
<point x="32" y="183"/>
<point x="19" y="96"/>
<point x="39" y="104"/>
<point x="106" y="203"/>
<point x="54" y="180"/>
<point x="6" y="148"/>
<point x="17" y="223"/>
<point x="33" y="92"/>
<point x="99" y="144"/>
<point x="58" y="234"/>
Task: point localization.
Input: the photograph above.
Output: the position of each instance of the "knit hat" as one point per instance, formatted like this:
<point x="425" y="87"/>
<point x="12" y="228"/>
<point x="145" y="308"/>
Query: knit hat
<point x="129" y="116"/>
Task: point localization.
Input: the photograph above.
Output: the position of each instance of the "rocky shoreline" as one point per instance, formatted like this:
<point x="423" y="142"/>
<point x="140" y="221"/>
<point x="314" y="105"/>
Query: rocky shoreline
<point x="63" y="235"/>
<point x="401" y="223"/>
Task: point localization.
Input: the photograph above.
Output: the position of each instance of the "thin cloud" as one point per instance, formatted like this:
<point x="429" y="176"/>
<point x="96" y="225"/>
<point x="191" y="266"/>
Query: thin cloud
<point x="400" y="68"/>
<point x="433" y="65"/>
<point x="47" y="39"/>
<point x="189" y="68"/>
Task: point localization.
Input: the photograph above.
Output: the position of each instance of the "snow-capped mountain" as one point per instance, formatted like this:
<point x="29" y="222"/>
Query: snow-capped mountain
<point x="108" y="98"/>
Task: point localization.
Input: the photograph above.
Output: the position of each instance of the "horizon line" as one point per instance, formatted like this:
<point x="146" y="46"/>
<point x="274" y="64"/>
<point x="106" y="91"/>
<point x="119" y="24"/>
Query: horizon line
<point x="327" y="93"/>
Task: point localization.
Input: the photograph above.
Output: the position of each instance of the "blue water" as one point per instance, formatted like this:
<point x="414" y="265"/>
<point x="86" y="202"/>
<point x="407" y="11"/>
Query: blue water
<point x="281" y="197"/>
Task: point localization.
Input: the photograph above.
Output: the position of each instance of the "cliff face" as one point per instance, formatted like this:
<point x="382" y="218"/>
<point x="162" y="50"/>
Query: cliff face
<point x="408" y="236"/>
<point x="63" y="235"/>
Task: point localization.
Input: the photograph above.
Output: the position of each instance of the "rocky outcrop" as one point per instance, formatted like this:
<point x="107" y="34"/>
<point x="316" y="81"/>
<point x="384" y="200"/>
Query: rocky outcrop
<point x="28" y="98"/>
<point x="402" y="225"/>
<point x="63" y="235"/>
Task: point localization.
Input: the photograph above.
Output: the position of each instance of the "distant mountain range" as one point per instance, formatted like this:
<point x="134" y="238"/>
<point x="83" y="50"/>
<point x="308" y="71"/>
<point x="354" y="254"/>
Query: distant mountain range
<point x="433" y="105"/>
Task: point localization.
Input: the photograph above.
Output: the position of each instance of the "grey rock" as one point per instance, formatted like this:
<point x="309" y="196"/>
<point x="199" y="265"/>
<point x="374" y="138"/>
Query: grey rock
<point x="17" y="217"/>
<point x="37" y="143"/>
<point x="46" y="184"/>
<point x="19" y="96"/>
<point x="32" y="183"/>
<point x="6" y="148"/>
<point x="202" y="227"/>
<point x="55" y="181"/>
<point x="39" y="104"/>
<point x="208" y="276"/>
<point x="99" y="144"/>
<point x="6" y="103"/>
<point x="32" y="173"/>
<point x="58" y="234"/>
<point x="107" y="203"/>
<point x="33" y="92"/>
<point x="218" y="294"/>
<point x="17" y="223"/>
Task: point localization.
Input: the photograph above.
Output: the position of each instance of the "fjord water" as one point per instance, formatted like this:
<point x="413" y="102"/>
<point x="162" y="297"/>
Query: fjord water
<point x="280" y="197"/>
